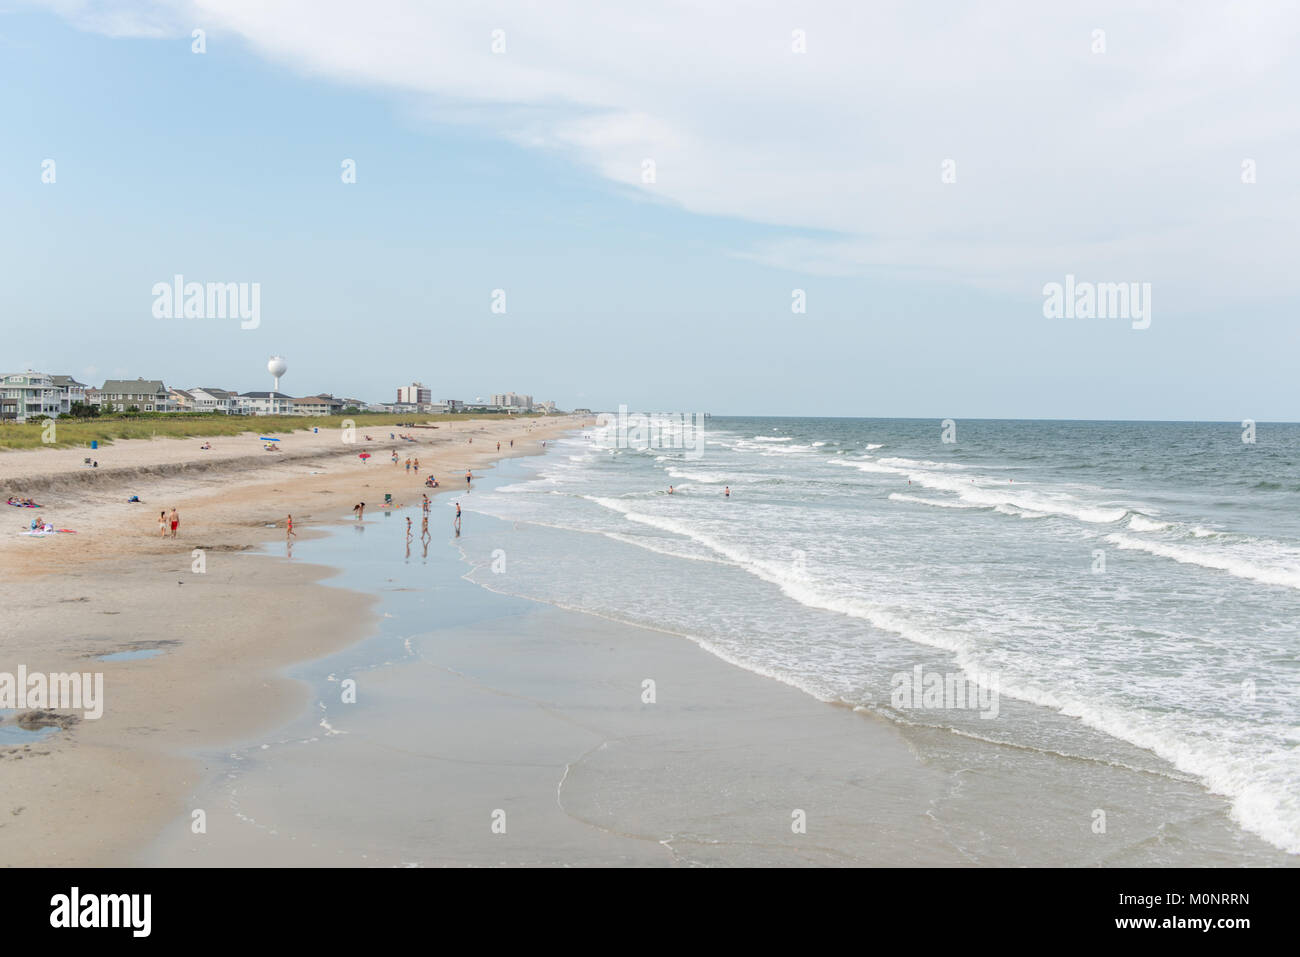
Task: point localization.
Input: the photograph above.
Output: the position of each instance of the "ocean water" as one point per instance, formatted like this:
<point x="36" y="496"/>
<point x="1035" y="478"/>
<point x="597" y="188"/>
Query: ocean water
<point x="1131" y="591"/>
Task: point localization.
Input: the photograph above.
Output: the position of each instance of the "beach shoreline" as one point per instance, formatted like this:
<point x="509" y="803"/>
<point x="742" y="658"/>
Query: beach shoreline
<point x="483" y="701"/>
<point x="473" y="705"/>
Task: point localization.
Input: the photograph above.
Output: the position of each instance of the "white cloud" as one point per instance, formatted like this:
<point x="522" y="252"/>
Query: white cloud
<point x="1122" y="165"/>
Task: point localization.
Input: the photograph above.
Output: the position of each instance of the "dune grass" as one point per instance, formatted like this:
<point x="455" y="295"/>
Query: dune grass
<point x="75" y="433"/>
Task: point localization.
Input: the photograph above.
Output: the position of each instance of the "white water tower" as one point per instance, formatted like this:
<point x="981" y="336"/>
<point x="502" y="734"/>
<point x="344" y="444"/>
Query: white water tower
<point x="277" y="367"/>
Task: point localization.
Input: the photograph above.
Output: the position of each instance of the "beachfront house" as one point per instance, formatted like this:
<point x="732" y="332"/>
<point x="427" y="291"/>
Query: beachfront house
<point x="264" y="403"/>
<point x="213" y="400"/>
<point x="139" y="395"/>
<point x="26" y="395"/>
<point x="316" y="405"/>
<point x="182" y="401"/>
<point x="71" y="392"/>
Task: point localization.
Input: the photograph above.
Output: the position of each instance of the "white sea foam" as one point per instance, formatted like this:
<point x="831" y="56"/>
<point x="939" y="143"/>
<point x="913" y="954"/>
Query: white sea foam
<point x="983" y="492"/>
<point x="938" y="503"/>
<point x="696" y="475"/>
<point x="986" y="492"/>
<point x="923" y="464"/>
<point x="1287" y="575"/>
<point x="1140" y="523"/>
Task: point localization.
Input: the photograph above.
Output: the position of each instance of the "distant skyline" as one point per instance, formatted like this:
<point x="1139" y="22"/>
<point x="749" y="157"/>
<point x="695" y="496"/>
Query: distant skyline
<point x="648" y="192"/>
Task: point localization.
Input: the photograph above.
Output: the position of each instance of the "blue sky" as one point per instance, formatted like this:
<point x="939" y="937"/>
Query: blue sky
<point x="521" y="171"/>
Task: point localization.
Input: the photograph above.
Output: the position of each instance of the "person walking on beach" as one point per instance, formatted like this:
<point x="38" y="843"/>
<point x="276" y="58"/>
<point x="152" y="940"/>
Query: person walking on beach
<point x="417" y="466"/>
<point x="468" y="475"/>
<point x="175" y="520"/>
<point x="408" y="529"/>
<point x="162" y="524"/>
<point x="512" y="443"/>
<point x="408" y="465"/>
<point x="424" y="525"/>
<point x="498" y="446"/>
<point x="288" y="529"/>
<point x="424" y="504"/>
<point x="456" y="523"/>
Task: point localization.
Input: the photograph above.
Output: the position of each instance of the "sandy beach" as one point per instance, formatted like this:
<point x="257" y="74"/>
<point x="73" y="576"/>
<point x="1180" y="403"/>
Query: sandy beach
<point x="94" y="792"/>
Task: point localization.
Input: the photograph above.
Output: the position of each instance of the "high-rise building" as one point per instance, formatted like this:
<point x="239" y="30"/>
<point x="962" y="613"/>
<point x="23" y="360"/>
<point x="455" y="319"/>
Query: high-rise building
<point x="512" y="400"/>
<point x="414" y="394"/>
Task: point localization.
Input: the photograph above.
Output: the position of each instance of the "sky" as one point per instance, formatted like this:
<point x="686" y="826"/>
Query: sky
<point x="655" y="188"/>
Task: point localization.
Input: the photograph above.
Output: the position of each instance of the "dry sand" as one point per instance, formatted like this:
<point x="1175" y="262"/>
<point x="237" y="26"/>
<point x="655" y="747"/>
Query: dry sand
<point x="95" y="792"/>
